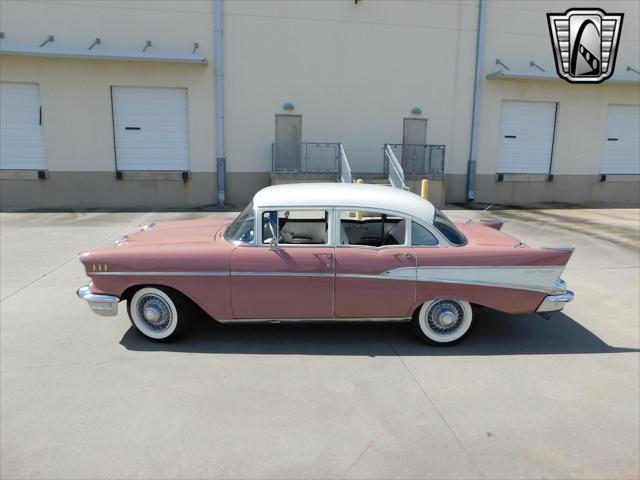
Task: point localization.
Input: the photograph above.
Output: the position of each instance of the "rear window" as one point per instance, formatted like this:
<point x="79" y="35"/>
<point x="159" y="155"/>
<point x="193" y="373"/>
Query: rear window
<point x="448" y="229"/>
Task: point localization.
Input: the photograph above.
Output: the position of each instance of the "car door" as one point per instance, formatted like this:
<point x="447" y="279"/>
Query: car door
<point x="293" y="280"/>
<point x="375" y="268"/>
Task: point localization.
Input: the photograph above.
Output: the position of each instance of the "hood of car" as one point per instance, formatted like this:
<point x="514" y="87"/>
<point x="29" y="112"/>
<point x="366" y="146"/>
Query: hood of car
<point x="177" y="232"/>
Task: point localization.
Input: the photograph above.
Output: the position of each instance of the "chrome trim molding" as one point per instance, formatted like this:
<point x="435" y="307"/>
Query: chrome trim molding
<point x="163" y="274"/>
<point x="104" y="305"/>
<point x="281" y="274"/>
<point x="544" y="279"/>
<point x="555" y="303"/>
<point x="312" y="320"/>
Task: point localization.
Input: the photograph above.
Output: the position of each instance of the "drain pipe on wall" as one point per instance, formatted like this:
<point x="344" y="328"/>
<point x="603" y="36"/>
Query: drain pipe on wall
<point x="221" y="162"/>
<point x="477" y="94"/>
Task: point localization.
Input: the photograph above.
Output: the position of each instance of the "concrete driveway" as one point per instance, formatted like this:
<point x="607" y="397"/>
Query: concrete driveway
<point x="86" y="397"/>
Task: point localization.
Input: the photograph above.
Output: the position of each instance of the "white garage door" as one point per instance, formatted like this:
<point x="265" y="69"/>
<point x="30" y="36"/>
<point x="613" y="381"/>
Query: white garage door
<point x="526" y="137"/>
<point x="151" y="128"/>
<point x="622" y="140"/>
<point x="21" y="138"/>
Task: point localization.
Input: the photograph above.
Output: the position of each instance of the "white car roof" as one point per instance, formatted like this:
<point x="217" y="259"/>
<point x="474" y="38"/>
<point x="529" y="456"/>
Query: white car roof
<point x="362" y="196"/>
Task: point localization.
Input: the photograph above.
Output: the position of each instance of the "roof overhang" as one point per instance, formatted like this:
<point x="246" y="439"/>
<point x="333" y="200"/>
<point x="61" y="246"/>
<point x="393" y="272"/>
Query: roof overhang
<point x="114" y="55"/>
<point x="625" y="77"/>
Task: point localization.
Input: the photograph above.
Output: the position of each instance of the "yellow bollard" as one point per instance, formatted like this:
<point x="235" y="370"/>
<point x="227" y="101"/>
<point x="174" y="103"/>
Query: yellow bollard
<point x="359" y="214"/>
<point x="424" y="190"/>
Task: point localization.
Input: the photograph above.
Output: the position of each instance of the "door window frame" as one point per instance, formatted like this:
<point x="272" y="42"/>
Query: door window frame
<point x="336" y="227"/>
<point x="330" y="226"/>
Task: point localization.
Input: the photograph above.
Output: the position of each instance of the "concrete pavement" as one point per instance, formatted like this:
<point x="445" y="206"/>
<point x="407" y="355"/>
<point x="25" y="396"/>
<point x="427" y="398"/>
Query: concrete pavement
<point x="86" y="397"/>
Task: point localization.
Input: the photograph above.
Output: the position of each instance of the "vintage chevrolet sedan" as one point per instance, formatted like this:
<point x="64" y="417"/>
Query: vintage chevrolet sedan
<point x="325" y="252"/>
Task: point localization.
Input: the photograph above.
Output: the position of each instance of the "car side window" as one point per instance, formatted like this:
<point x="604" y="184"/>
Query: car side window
<point x="422" y="236"/>
<point x="295" y="227"/>
<point x="371" y="228"/>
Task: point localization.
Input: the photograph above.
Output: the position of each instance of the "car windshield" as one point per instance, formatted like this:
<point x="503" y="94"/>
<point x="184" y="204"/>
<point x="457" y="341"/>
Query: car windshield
<point x="448" y="229"/>
<point x="242" y="228"/>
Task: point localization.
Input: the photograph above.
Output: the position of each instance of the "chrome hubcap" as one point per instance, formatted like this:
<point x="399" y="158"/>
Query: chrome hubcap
<point x="445" y="316"/>
<point x="155" y="312"/>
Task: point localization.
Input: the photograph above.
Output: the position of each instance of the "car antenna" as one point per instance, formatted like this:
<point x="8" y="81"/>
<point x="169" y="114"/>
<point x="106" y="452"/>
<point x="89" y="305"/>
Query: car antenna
<point x="485" y="210"/>
<point x="521" y="243"/>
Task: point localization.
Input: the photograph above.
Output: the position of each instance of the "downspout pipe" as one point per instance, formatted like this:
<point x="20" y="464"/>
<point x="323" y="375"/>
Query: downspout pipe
<point x="221" y="162"/>
<point x="477" y="95"/>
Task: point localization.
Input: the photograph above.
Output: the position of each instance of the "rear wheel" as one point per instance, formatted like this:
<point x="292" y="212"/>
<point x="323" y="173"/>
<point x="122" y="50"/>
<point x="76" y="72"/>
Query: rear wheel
<point x="444" y="321"/>
<point x="158" y="313"/>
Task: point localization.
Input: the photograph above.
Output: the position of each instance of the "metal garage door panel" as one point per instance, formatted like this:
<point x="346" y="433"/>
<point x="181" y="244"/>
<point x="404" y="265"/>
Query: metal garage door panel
<point x="621" y="154"/>
<point x="151" y="128"/>
<point x="526" y="137"/>
<point x="21" y="137"/>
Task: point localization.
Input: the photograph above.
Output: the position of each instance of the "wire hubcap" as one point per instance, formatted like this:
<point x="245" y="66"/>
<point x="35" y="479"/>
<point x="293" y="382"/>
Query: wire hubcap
<point x="445" y="316"/>
<point x="155" y="312"/>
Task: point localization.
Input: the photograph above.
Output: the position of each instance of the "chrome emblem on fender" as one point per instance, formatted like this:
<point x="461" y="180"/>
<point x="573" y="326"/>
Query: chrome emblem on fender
<point x="585" y="43"/>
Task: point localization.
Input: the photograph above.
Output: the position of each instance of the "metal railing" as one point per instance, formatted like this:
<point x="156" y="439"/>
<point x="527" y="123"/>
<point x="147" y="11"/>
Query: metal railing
<point x="311" y="157"/>
<point x="395" y="172"/>
<point x="419" y="159"/>
<point x="305" y="157"/>
<point x="345" y="169"/>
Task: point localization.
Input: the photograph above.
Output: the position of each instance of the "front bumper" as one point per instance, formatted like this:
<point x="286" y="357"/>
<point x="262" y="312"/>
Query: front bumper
<point x="105" y="305"/>
<point x="556" y="302"/>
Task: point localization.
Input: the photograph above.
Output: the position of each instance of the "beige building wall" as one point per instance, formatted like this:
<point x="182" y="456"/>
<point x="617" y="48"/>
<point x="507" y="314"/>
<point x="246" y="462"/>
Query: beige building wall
<point x="518" y="34"/>
<point x="353" y="71"/>
<point x="76" y="99"/>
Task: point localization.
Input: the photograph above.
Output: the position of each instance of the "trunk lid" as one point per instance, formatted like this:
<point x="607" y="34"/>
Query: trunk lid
<point x="480" y="233"/>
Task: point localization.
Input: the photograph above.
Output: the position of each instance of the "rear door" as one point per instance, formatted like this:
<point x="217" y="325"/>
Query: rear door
<point x="375" y="268"/>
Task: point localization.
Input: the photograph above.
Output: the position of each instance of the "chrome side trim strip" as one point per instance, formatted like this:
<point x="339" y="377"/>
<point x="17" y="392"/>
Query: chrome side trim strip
<point x="216" y="274"/>
<point x="281" y="274"/>
<point x="312" y="320"/>
<point x="163" y="274"/>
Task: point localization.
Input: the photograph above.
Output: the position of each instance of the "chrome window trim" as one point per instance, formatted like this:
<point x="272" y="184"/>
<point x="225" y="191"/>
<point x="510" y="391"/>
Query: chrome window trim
<point x="336" y="227"/>
<point x="258" y="220"/>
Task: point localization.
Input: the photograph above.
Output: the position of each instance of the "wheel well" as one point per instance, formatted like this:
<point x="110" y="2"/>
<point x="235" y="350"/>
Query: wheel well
<point x="474" y="306"/>
<point x="129" y="292"/>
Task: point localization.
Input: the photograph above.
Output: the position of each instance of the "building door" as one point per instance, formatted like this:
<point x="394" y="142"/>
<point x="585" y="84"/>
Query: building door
<point x="414" y="134"/>
<point x="621" y="154"/>
<point x="21" y="136"/>
<point x="526" y="137"/>
<point x="288" y="145"/>
<point x="151" y="128"/>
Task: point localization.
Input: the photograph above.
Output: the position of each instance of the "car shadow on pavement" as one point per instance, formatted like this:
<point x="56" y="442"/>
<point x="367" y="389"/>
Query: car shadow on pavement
<point x="495" y="333"/>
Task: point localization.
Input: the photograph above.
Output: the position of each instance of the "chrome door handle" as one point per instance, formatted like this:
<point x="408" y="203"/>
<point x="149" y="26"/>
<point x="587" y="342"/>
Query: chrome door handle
<point x="406" y="255"/>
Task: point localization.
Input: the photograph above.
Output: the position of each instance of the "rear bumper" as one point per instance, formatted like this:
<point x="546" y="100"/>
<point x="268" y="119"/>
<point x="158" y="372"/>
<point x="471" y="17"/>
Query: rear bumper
<point x="105" y="305"/>
<point x="555" y="303"/>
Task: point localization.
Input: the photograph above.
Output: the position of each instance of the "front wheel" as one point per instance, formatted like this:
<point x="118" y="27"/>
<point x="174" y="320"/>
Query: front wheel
<point x="159" y="314"/>
<point x="444" y="321"/>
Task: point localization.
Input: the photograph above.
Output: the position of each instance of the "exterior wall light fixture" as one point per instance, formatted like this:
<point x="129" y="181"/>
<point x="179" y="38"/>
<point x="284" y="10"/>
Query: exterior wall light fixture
<point x="416" y="110"/>
<point x="288" y="106"/>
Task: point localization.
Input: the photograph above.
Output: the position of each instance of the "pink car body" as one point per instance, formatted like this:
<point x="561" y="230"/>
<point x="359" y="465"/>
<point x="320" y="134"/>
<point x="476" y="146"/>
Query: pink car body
<point x="235" y="281"/>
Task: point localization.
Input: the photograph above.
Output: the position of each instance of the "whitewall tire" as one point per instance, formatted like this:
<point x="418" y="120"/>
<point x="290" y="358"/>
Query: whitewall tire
<point x="444" y="321"/>
<point x="157" y="313"/>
